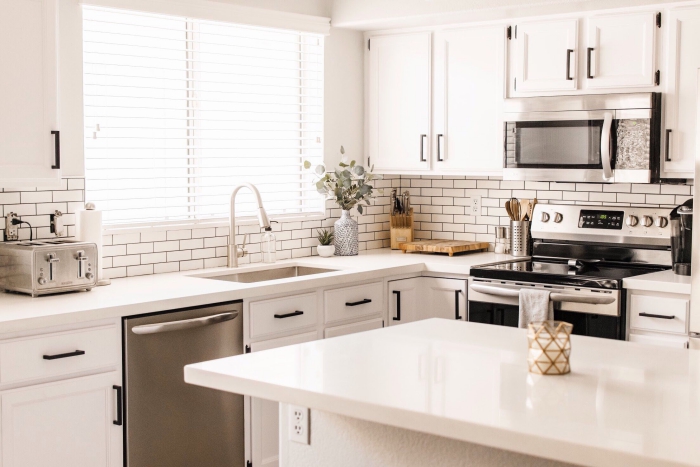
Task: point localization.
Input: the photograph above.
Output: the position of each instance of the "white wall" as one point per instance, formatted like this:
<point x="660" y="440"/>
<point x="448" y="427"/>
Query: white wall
<point x="344" y="95"/>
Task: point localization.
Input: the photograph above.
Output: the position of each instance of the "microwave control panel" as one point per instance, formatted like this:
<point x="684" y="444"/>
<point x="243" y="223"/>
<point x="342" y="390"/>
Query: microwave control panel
<point x="594" y="219"/>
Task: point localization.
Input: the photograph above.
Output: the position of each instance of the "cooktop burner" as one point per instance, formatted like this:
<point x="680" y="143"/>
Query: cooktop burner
<point x="602" y="275"/>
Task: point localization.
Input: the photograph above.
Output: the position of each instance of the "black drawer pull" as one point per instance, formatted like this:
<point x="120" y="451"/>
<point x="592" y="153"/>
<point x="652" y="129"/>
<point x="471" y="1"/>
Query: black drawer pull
<point x="64" y="355"/>
<point x="289" y="315"/>
<point x="457" y="292"/>
<point x="649" y="315"/>
<point x="118" y="421"/>
<point x="398" y="305"/>
<point x="361" y="302"/>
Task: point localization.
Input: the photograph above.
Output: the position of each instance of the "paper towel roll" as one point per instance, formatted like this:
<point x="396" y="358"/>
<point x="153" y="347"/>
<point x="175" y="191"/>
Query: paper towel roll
<point x="89" y="229"/>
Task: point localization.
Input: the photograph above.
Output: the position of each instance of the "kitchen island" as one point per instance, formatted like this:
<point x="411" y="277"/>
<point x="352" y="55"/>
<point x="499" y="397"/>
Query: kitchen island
<point x="459" y="393"/>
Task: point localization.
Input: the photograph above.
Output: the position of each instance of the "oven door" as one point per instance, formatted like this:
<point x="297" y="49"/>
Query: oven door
<point x="572" y="146"/>
<point x="593" y="312"/>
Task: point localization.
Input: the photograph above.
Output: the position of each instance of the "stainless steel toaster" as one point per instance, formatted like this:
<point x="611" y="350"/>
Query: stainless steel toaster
<point x="48" y="266"/>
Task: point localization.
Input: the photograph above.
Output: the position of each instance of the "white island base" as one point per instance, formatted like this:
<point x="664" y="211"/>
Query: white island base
<point x="443" y="392"/>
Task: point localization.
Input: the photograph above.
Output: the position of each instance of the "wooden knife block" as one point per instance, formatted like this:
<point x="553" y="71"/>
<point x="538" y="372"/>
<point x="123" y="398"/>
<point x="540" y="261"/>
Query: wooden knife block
<point x="401" y="228"/>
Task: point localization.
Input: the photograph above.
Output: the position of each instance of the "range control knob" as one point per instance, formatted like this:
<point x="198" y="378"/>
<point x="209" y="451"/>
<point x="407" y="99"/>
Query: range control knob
<point x="545" y="217"/>
<point x="661" y="222"/>
<point x="632" y="220"/>
<point x="42" y="281"/>
<point x="558" y="217"/>
<point x="647" y="221"/>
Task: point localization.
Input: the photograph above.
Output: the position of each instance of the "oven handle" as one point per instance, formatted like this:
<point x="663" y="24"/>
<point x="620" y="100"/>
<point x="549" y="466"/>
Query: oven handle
<point x="554" y="296"/>
<point x="605" y="154"/>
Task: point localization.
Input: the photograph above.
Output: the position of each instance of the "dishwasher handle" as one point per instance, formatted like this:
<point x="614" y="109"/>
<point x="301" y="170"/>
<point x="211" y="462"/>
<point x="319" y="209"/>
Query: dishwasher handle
<point x="184" y="324"/>
<point x="554" y="296"/>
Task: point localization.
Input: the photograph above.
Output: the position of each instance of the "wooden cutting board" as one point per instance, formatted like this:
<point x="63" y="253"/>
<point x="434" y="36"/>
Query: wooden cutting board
<point x="443" y="246"/>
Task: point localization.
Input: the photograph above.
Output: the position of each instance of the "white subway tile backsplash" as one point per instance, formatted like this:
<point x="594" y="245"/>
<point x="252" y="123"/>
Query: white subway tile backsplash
<point x="161" y="268"/>
<point x="138" y="248"/>
<point x="179" y="234"/>
<point x="153" y="236"/>
<point x="121" y="239"/>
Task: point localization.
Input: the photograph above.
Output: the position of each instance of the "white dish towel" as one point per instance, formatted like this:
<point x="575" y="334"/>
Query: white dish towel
<point x="535" y="305"/>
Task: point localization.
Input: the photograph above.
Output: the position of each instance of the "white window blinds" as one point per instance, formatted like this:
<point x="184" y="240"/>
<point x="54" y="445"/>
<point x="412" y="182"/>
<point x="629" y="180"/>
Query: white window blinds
<point x="178" y="111"/>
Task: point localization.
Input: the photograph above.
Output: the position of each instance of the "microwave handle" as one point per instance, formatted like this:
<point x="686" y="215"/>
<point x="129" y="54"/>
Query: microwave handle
<point x="605" y="153"/>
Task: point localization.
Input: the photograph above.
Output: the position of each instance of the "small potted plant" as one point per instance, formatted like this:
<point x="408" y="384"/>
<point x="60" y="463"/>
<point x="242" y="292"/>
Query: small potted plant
<point x="325" y="243"/>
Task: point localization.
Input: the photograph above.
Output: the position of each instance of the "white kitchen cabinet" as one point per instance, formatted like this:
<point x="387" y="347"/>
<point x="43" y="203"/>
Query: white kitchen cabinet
<point x="469" y="85"/>
<point x="29" y="152"/>
<point x="427" y="297"/>
<point x="681" y="98"/>
<point x="399" y="74"/>
<point x="545" y="56"/>
<point x="62" y="424"/>
<point x="620" y="51"/>
<point x="264" y="414"/>
<point x="658" y="318"/>
<point x="346" y="329"/>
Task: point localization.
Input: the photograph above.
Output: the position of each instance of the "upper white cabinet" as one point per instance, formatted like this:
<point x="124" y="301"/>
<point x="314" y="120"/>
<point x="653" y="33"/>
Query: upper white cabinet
<point x="29" y="152"/>
<point x="620" y="50"/>
<point x="399" y="102"/>
<point x="681" y="99"/>
<point x="469" y="76"/>
<point x="545" y="56"/>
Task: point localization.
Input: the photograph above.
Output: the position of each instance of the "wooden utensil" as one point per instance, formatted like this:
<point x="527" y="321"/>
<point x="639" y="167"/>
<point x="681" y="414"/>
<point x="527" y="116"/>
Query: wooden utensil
<point x="509" y="210"/>
<point x="531" y="208"/>
<point x="524" y="205"/>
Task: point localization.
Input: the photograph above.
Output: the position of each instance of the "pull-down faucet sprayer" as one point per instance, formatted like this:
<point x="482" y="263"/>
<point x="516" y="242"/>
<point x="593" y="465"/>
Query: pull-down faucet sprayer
<point x="234" y="251"/>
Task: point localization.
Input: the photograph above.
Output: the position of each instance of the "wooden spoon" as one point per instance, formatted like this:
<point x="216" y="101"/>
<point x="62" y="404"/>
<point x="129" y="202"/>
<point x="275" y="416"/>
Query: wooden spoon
<point x="531" y="209"/>
<point x="524" y="205"/>
<point x="509" y="210"/>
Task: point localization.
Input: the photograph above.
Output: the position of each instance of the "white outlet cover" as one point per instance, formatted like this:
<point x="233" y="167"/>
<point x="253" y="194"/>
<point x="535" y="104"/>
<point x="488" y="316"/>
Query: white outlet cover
<point x="299" y="424"/>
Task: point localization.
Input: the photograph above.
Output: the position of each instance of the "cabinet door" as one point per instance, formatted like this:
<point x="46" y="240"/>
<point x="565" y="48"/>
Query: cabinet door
<point x="399" y="102"/>
<point x="28" y="92"/>
<point x="679" y="141"/>
<point x="404" y="297"/>
<point x="64" y="424"/>
<point x="620" y="50"/>
<point x="545" y="56"/>
<point x="444" y="298"/>
<point x="468" y="100"/>
<point x="264" y="414"/>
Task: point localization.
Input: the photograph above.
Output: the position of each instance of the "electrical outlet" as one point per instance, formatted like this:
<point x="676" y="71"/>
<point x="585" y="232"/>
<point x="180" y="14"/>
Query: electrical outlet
<point x="474" y="206"/>
<point x="11" y="231"/>
<point x="299" y="424"/>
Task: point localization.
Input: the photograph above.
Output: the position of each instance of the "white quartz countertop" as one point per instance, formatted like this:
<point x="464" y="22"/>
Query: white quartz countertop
<point x="624" y="404"/>
<point x="663" y="281"/>
<point x="147" y="294"/>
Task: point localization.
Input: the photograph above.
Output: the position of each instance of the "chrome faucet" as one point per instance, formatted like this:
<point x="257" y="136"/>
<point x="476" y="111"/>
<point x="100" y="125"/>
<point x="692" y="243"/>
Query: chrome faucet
<point x="234" y="251"/>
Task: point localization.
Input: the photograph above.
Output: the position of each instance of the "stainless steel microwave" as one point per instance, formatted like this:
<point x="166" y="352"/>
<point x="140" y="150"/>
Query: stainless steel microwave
<point x="609" y="138"/>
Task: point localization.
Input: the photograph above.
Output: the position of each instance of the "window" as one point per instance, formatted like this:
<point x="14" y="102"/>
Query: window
<point x="178" y="111"/>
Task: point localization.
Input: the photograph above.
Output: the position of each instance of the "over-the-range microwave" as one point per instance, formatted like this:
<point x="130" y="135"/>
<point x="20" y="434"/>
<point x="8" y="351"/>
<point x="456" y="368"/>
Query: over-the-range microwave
<point x="609" y="138"/>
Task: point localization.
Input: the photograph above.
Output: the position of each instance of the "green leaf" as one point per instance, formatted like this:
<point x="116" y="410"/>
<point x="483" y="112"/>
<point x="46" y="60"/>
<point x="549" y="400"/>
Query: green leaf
<point x="307" y="165"/>
<point x="359" y="208"/>
<point x="342" y="150"/>
<point x="358" y="170"/>
<point x="320" y="169"/>
<point x="342" y="164"/>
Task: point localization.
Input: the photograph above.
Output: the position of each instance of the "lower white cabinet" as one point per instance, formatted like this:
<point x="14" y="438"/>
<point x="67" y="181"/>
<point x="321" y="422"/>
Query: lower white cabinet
<point x="658" y="318"/>
<point x="346" y="329"/>
<point x="67" y="423"/>
<point x="427" y="297"/>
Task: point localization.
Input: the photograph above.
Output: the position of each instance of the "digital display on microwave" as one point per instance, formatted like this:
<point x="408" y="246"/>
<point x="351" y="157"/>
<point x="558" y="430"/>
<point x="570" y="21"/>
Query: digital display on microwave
<point x="611" y="220"/>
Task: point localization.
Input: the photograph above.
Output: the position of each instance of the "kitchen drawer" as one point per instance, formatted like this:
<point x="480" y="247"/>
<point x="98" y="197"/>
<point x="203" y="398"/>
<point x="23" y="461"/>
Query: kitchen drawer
<point x="58" y="354"/>
<point x="663" y="340"/>
<point x="284" y="314"/>
<point x="669" y="314"/>
<point x="354" y="327"/>
<point x="353" y="302"/>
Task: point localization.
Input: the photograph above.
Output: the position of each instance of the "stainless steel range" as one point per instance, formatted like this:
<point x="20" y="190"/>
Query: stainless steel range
<point x="581" y="254"/>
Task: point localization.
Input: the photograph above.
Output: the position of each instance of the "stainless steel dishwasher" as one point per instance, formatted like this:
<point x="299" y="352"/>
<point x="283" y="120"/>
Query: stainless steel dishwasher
<point x="170" y="423"/>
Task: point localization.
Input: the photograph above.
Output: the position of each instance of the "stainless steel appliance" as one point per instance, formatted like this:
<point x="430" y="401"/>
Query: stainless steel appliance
<point x="682" y="238"/>
<point x="170" y="423"/>
<point x="42" y="267"/>
<point x="609" y="138"/>
<point x="581" y="254"/>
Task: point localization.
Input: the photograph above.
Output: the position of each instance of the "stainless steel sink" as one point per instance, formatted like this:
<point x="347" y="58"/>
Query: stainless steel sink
<point x="269" y="274"/>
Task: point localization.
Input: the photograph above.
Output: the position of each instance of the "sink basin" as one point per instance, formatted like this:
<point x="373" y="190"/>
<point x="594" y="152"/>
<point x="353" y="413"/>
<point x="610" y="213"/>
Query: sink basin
<point x="269" y="274"/>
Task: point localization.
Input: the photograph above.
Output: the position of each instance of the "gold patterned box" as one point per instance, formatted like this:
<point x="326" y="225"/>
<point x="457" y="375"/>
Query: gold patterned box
<point x="549" y="347"/>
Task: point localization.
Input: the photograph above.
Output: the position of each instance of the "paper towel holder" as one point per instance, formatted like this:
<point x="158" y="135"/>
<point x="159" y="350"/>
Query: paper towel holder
<point x="91" y="207"/>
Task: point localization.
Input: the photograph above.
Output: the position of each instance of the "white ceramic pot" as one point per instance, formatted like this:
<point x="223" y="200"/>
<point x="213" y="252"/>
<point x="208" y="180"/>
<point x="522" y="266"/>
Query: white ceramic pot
<point x="326" y="250"/>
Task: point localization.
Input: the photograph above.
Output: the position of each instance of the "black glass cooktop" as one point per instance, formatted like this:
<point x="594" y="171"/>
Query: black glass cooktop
<point x="603" y="275"/>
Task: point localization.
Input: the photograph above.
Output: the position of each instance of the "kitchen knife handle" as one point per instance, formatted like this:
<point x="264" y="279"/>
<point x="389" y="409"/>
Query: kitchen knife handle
<point x="398" y="305"/>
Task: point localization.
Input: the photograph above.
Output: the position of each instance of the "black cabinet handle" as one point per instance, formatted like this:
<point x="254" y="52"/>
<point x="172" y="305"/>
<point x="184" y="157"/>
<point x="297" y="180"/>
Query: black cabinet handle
<point x="118" y="421"/>
<point x="668" y="145"/>
<point x="289" y="315"/>
<point x="588" y="62"/>
<point x="568" y="63"/>
<point x="361" y="302"/>
<point x="57" y="149"/>
<point x="398" y="305"/>
<point x="439" y="155"/>
<point x="457" y="293"/>
<point x="64" y="355"/>
<point x="422" y="139"/>
<point x="649" y="315"/>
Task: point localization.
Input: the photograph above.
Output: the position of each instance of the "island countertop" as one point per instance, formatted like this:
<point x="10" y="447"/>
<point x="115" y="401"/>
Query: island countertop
<point x="622" y="404"/>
